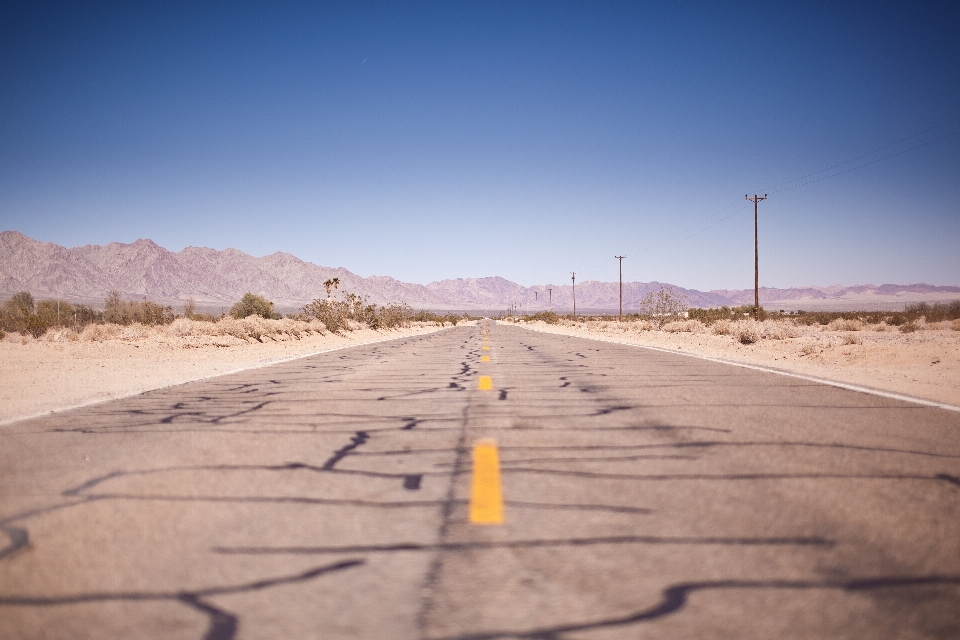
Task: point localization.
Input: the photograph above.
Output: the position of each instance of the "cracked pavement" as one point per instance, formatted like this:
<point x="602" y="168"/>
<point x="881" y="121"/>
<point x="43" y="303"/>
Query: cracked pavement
<point x="646" y="495"/>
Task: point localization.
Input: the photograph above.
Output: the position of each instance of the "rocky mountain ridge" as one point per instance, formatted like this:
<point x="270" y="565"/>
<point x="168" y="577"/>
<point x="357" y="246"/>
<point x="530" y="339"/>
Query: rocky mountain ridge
<point x="219" y="278"/>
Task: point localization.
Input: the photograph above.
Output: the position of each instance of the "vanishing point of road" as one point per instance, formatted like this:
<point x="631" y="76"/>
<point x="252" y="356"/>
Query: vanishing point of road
<point x="644" y="495"/>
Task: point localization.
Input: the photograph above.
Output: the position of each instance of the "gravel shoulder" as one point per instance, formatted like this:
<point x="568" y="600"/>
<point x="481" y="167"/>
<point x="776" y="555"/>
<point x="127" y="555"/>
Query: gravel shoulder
<point x="924" y="364"/>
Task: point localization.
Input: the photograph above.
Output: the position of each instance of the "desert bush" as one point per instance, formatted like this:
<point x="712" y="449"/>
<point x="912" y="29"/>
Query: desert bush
<point x="684" y="326"/>
<point x="15" y="311"/>
<point x="125" y="312"/>
<point x="809" y="349"/>
<point x="21" y="303"/>
<point x="546" y="316"/>
<point x="852" y="339"/>
<point x="936" y="312"/>
<point x="100" y="332"/>
<point x="36" y="326"/>
<point x="344" y="314"/>
<point x="663" y="305"/>
<point x="722" y="327"/>
<point x="845" y="324"/>
<point x="55" y="313"/>
<point x="710" y="316"/>
<point x="332" y="313"/>
<point x="61" y="335"/>
<point x="745" y="332"/>
<point x="189" y="308"/>
<point x="779" y="330"/>
<point x="909" y="327"/>
<point x="252" y="305"/>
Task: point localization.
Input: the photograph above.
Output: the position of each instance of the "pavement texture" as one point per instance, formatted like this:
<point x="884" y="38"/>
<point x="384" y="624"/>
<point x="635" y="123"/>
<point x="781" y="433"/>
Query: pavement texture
<point x="645" y="495"/>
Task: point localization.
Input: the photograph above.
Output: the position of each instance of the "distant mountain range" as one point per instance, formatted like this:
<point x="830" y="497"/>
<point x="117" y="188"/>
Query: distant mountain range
<point x="219" y="278"/>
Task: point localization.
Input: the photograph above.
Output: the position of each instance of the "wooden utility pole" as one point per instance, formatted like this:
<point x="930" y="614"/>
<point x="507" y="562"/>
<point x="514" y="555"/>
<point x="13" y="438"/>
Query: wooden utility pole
<point x="756" y="255"/>
<point x="620" y="258"/>
<point x="550" y="289"/>
<point x="573" y="278"/>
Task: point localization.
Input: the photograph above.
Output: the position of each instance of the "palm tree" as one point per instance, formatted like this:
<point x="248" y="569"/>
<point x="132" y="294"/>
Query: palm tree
<point x="331" y="284"/>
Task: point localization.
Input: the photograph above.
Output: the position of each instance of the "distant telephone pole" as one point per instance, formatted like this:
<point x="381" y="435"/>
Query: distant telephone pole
<point x="620" y="258"/>
<point x="756" y="255"/>
<point x="573" y="278"/>
<point x="550" y="289"/>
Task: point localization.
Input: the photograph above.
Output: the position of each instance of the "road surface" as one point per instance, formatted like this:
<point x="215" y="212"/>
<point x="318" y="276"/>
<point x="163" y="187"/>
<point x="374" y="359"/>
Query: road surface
<point x="645" y="495"/>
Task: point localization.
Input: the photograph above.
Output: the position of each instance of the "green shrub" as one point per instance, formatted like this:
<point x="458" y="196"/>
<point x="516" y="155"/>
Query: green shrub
<point x="55" y="313"/>
<point x="36" y="326"/>
<point x="549" y="317"/>
<point x="252" y="305"/>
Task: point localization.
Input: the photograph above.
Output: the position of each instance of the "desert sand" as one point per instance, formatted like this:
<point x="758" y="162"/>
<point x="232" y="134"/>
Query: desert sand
<point x="60" y="371"/>
<point x="923" y="364"/>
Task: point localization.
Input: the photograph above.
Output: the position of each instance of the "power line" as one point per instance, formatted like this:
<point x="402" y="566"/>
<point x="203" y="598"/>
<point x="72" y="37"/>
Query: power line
<point x="866" y="164"/>
<point x="864" y="155"/>
<point x="692" y="231"/>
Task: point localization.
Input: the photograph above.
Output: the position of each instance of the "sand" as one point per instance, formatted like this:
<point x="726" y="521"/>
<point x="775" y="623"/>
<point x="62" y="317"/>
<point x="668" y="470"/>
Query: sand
<point x="40" y="376"/>
<point x="924" y="364"/>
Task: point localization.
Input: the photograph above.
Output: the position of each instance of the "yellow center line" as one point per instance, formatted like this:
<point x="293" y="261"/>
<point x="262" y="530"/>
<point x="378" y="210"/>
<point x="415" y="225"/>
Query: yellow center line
<point x="485" y="383"/>
<point x="486" y="498"/>
<point x="484" y="358"/>
<point x="486" y="347"/>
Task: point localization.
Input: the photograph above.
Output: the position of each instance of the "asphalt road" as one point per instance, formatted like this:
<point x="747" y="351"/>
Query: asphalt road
<point x="646" y="495"/>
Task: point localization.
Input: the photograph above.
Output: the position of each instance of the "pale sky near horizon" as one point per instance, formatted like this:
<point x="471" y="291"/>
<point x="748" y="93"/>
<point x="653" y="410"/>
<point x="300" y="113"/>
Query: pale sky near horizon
<point x="431" y="140"/>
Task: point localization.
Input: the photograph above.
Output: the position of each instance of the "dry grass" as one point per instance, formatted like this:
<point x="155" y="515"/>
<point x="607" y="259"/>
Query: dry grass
<point x="194" y="332"/>
<point x="685" y="326"/>
<point x="224" y="332"/>
<point x="845" y="324"/>
<point x="779" y="330"/>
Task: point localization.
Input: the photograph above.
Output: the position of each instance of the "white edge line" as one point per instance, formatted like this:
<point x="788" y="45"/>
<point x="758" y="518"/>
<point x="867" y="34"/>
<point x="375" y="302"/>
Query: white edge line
<point x="256" y="365"/>
<point x="757" y="367"/>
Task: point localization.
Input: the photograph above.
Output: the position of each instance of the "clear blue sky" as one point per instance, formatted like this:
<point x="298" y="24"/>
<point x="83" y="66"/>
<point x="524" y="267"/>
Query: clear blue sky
<point x="430" y="140"/>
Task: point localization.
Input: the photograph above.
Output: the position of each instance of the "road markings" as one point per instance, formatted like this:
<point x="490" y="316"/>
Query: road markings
<point x="486" y="347"/>
<point x="486" y="498"/>
<point x="485" y="383"/>
<point x="484" y="358"/>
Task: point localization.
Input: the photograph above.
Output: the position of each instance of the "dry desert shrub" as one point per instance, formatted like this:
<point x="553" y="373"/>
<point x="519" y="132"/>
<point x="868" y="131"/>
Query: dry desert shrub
<point x="685" y="326"/>
<point x="956" y="325"/>
<point x="722" y="327"/>
<point x="910" y="327"/>
<point x="780" y="330"/>
<point x="809" y="349"/>
<point x="845" y="324"/>
<point x="61" y="335"/>
<point x="851" y="339"/>
<point x="745" y="332"/>
<point x="100" y="332"/>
